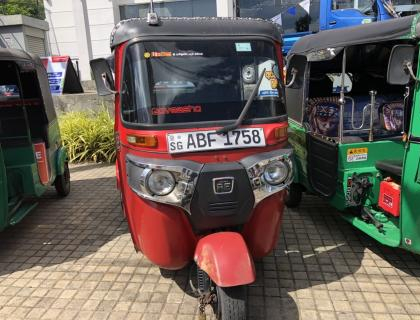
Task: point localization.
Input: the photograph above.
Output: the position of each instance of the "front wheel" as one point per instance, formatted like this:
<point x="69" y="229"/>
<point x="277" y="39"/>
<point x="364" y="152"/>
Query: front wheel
<point x="231" y="303"/>
<point x="293" y="195"/>
<point x="62" y="182"/>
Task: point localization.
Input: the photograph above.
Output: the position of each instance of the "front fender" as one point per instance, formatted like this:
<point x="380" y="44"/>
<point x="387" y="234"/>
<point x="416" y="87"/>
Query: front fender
<point x="61" y="158"/>
<point x="224" y="256"/>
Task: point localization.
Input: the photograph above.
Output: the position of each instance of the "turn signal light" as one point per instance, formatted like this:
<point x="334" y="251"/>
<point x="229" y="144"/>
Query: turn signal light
<point x="280" y="133"/>
<point x="143" y="141"/>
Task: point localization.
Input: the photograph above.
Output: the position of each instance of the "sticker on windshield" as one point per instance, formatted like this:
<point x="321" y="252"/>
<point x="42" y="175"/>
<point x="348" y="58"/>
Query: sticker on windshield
<point x="166" y="54"/>
<point x="176" y="110"/>
<point x="161" y="54"/>
<point x="243" y="47"/>
<point x="269" y="84"/>
<point x="268" y="93"/>
<point x="187" y="54"/>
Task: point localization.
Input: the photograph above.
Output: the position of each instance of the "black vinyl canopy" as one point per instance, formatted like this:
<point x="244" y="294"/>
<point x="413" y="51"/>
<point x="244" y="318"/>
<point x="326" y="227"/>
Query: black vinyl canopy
<point x="199" y="27"/>
<point x="32" y="63"/>
<point x="400" y="28"/>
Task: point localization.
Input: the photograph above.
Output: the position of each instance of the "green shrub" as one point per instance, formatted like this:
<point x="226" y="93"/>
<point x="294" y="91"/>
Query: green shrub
<point x="89" y="137"/>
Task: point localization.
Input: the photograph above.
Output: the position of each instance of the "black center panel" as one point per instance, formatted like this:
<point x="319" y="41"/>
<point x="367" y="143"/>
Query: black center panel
<point x="223" y="197"/>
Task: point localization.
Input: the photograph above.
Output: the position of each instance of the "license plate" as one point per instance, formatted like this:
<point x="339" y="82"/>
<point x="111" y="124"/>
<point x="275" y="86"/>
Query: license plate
<point x="210" y="140"/>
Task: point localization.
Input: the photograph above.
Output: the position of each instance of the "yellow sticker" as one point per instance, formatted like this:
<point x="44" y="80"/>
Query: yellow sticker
<point x="147" y="55"/>
<point x="357" y="154"/>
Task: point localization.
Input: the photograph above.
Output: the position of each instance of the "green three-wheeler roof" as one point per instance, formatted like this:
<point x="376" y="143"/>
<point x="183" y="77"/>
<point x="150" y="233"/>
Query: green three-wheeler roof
<point x="400" y="28"/>
<point x="194" y="27"/>
<point x="32" y="62"/>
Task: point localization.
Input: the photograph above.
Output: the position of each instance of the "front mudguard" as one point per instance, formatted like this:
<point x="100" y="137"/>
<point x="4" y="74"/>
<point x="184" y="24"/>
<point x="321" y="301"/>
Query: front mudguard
<point x="61" y="159"/>
<point x="225" y="257"/>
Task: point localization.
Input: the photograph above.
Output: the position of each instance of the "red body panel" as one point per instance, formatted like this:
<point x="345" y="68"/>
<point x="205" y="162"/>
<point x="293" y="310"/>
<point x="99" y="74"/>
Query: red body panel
<point x="160" y="231"/>
<point x="161" y="151"/>
<point x="224" y="256"/>
<point x="261" y="232"/>
<point x="42" y="162"/>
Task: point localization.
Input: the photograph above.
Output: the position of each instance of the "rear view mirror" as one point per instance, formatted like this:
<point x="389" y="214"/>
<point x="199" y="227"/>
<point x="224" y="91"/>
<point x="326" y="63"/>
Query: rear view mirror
<point x="400" y="62"/>
<point x="103" y="76"/>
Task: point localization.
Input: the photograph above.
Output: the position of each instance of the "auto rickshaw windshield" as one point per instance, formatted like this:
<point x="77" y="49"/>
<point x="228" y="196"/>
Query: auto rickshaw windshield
<point x="199" y="81"/>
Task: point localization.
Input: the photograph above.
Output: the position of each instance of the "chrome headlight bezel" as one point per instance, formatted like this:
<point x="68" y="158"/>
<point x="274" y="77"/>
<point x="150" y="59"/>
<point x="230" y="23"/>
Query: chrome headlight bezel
<point x="185" y="176"/>
<point x="256" y="166"/>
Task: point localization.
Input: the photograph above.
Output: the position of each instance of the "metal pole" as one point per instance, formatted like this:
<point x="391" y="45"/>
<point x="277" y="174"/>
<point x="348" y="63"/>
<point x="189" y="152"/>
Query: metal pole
<point x="372" y="108"/>
<point x="342" y="100"/>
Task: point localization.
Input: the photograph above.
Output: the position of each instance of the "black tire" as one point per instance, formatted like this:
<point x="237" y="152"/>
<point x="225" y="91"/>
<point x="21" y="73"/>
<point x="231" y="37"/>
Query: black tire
<point x="231" y="303"/>
<point x="293" y="195"/>
<point x="62" y="182"/>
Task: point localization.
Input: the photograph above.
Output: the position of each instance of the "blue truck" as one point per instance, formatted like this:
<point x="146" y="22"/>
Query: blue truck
<point x="301" y="17"/>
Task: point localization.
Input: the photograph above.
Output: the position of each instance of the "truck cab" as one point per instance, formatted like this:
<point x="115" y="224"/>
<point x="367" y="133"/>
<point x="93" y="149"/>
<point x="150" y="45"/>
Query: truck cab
<point x="302" y="17"/>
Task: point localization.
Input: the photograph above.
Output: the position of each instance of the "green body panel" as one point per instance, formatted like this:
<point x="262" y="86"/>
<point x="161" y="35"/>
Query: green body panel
<point x="3" y="193"/>
<point x="391" y="232"/>
<point x="410" y="209"/>
<point x="22" y="172"/>
<point x="297" y="138"/>
<point x="57" y="154"/>
<point x="377" y="150"/>
<point x="61" y="158"/>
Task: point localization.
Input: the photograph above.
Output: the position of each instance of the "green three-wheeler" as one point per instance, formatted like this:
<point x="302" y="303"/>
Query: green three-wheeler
<point x="354" y="122"/>
<point x="31" y="154"/>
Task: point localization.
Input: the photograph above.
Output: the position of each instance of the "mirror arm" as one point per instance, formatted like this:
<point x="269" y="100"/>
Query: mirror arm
<point x="248" y="104"/>
<point x="106" y="84"/>
<point x="294" y="72"/>
<point x="409" y="66"/>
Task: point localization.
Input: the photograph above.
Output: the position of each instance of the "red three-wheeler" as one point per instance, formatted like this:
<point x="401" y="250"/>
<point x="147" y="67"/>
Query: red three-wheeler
<point x="201" y="137"/>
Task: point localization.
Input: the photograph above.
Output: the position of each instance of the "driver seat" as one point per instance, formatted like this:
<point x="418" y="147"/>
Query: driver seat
<point x="393" y="167"/>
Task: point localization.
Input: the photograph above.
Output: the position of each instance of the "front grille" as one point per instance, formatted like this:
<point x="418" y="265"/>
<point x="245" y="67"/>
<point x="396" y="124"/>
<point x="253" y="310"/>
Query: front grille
<point x="232" y="206"/>
<point x="222" y="206"/>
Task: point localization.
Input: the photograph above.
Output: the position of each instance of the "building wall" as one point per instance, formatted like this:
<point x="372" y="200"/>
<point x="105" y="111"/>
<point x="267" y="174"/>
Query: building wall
<point x="62" y="34"/>
<point x="25" y="33"/>
<point x="101" y="21"/>
<point x="12" y="37"/>
<point x="81" y="28"/>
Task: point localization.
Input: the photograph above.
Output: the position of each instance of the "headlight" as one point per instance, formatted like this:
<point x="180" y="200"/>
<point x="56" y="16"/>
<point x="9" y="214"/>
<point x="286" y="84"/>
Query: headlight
<point x="276" y="172"/>
<point x="160" y="182"/>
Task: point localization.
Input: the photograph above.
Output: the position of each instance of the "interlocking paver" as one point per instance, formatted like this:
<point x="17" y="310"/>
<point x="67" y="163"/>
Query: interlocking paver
<point x="73" y="259"/>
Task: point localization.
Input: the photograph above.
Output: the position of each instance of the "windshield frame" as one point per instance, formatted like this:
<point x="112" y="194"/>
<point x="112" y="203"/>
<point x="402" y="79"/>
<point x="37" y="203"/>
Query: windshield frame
<point x="202" y="124"/>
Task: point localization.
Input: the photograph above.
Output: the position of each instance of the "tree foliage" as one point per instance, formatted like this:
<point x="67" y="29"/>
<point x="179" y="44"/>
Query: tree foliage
<point x="31" y="8"/>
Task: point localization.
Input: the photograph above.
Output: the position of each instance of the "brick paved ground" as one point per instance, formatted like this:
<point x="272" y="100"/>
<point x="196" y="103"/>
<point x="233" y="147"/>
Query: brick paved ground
<point x="73" y="259"/>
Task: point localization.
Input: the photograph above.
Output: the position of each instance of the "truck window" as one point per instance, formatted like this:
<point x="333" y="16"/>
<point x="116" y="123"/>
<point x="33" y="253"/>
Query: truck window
<point x="294" y="15"/>
<point x="364" y="6"/>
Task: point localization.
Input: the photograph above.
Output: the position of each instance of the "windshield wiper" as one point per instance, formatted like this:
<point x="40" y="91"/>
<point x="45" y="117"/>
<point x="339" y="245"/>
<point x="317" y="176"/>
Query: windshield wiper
<point x="248" y="104"/>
